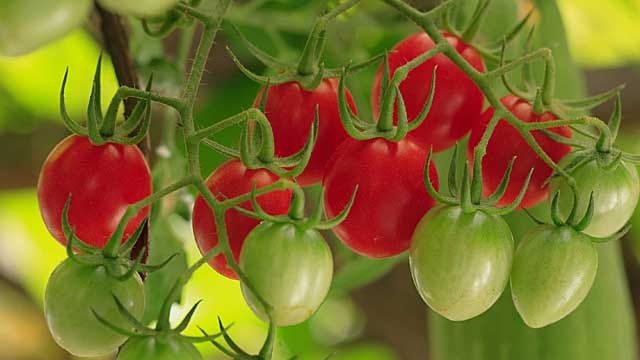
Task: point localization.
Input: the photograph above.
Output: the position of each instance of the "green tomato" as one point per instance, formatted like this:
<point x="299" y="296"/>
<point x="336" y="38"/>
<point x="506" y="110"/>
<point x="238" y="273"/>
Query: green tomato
<point x="553" y="271"/>
<point x="72" y="291"/>
<point x="25" y="25"/>
<point x="290" y="267"/>
<point x="459" y="261"/>
<point x="163" y="347"/>
<point x="139" y="8"/>
<point x="616" y="194"/>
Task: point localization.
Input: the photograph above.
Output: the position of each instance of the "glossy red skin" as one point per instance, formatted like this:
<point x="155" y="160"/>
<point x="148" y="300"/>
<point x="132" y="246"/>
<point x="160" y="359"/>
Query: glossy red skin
<point x="103" y="180"/>
<point x="291" y="110"/>
<point x="457" y="103"/>
<point x="229" y="180"/>
<point x="506" y="142"/>
<point x="391" y="196"/>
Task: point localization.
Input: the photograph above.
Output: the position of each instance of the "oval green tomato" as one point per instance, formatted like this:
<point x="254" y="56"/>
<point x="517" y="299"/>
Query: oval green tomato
<point x="553" y="270"/>
<point x="162" y="347"/>
<point x="290" y="267"/>
<point x="72" y="291"/>
<point x="26" y="25"/>
<point x="460" y="262"/>
<point x="616" y="194"/>
<point x="139" y="8"/>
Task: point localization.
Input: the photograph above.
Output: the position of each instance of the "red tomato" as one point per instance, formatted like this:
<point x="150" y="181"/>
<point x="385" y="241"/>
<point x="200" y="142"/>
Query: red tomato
<point x="457" y="102"/>
<point x="291" y="110"/>
<point x="391" y="197"/>
<point x="506" y="142"/>
<point x="103" y="180"/>
<point x="233" y="179"/>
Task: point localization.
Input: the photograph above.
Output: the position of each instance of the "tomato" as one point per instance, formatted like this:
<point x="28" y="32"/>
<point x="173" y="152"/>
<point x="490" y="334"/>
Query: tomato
<point x="291" y="110"/>
<point x="615" y="195"/>
<point x="139" y="8"/>
<point x="391" y="196"/>
<point x="72" y="291"/>
<point x="457" y="103"/>
<point x="233" y="179"/>
<point x="162" y="347"/>
<point x="459" y="261"/>
<point x="506" y="143"/>
<point x="26" y="25"/>
<point x="291" y="267"/>
<point x="103" y="181"/>
<point x="553" y="271"/>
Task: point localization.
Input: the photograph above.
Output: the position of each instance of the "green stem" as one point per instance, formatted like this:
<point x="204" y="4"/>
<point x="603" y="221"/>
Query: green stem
<point x="427" y="23"/>
<point x="543" y="53"/>
<point x="310" y="58"/>
<point x="211" y="25"/>
<point x="111" y="248"/>
<point x="296" y="209"/>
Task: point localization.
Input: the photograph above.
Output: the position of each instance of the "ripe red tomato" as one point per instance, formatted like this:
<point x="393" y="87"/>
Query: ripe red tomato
<point x="233" y="179"/>
<point x="291" y="110"/>
<point x="457" y="103"/>
<point x="391" y="195"/>
<point x="103" y="181"/>
<point x="506" y="142"/>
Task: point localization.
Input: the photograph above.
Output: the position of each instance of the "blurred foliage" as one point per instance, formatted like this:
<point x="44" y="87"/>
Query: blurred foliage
<point x="601" y="34"/>
<point x="30" y="84"/>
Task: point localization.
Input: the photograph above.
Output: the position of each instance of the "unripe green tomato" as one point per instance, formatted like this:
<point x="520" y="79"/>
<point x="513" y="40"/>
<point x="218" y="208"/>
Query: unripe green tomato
<point x="162" y="347"/>
<point x="616" y="194"/>
<point x="72" y="291"/>
<point x="553" y="271"/>
<point x="25" y="25"/>
<point x="139" y="8"/>
<point x="290" y="267"/>
<point x="460" y="262"/>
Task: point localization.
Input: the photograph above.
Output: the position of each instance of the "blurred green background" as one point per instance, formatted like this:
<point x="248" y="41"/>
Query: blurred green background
<point x="383" y="320"/>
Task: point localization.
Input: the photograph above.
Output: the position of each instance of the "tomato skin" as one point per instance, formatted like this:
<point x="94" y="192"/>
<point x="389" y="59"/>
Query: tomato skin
<point x="615" y="196"/>
<point x="457" y="102"/>
<point x="460" y="262"/>
<point x="163" y="347"/>
<point x="291" y="268"/>
<point x="291" y="110"/>
<point x="229" y="180"/>
<point x="139" y="8"/>
<point x="553" y="271"/>
<point x="103" y="181"/>
<point x="72" y="291"/>
<point x="391" y="196"/>
<point x="506" y="142"/>
<point x="26" y="25"/>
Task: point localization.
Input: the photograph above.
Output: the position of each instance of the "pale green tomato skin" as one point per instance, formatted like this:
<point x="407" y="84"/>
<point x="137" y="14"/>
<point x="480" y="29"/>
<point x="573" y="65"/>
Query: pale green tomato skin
<point x="290" y="267"/>
<point x="616" y="194"/>
<point x="25" y="25"/>
<point x="139" y="8"/>
<point x="553" y="271"/>
<point x="169" y="347"/>
<point x="72" y="291"/>
<point x="459" y="261"/>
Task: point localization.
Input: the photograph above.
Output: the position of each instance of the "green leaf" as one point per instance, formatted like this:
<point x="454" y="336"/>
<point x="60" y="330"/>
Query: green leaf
<point x="164" y="242"/>
<point x="362" y="271"/>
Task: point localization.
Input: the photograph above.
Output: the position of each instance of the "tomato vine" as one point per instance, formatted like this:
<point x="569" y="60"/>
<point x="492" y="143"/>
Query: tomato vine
<point x="373" y="141"/>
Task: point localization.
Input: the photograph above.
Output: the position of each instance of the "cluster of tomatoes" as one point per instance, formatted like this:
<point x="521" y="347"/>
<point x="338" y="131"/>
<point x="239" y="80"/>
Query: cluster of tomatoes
<point x="461" y="255"/>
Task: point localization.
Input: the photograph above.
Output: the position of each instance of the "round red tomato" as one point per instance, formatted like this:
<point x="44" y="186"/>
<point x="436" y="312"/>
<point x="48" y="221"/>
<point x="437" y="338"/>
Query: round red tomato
<point x="291" y="110"/>
<point x="391" y="196"/>
<point x="506" y="142"/>
<point x="233" y="179"/>
<point x="103" y="181"/>
<point x="457" y="103"/>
